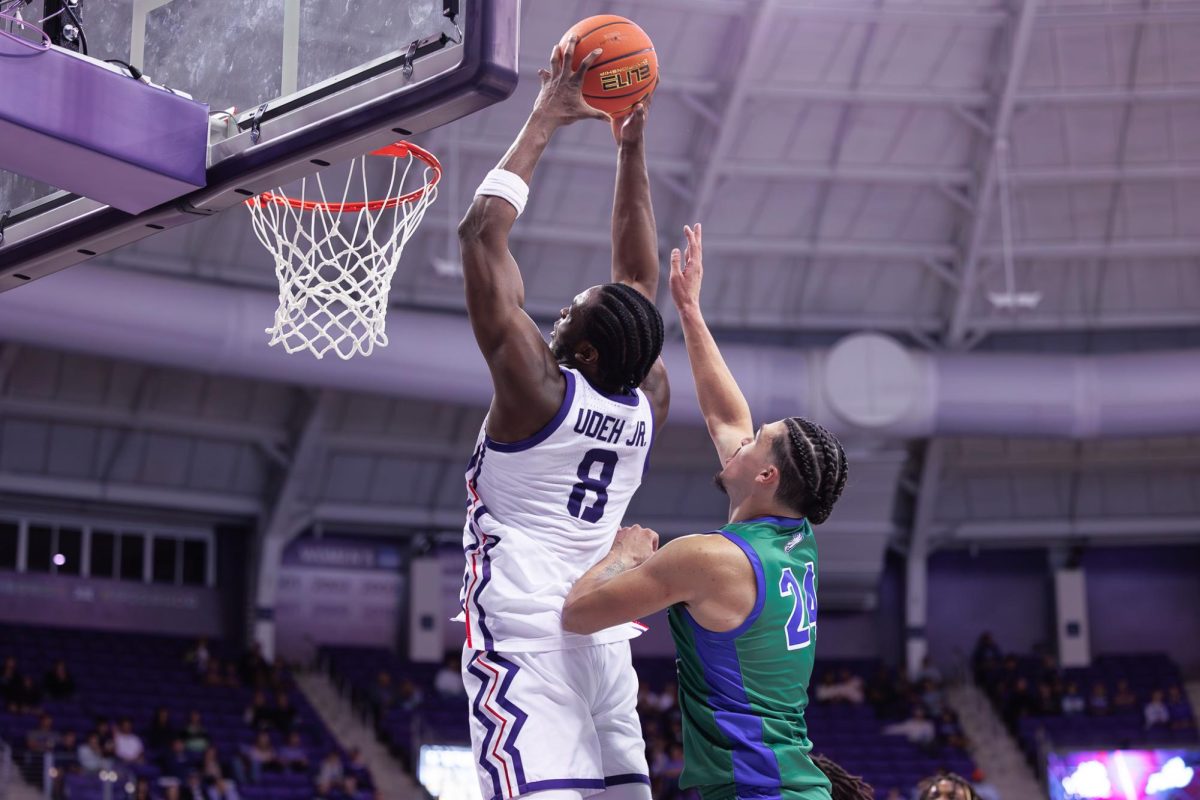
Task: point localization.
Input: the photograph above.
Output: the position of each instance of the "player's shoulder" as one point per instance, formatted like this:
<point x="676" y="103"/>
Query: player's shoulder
<point x="707" y="552"/>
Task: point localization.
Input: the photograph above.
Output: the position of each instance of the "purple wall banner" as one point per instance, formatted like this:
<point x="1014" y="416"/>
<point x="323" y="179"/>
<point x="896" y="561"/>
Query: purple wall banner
<point x="33" y="598"/>
<point x="336" y="590"/>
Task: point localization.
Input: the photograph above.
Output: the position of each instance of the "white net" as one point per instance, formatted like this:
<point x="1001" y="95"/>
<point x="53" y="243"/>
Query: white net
<point x="335" y="260"/>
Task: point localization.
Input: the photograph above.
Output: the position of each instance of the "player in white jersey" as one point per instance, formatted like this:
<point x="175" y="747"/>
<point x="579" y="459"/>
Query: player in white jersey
<point x="561" y="453"/>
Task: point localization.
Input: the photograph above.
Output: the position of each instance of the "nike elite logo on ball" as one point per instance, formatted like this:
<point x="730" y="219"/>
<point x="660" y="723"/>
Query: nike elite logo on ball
<point x="615" y="79"/>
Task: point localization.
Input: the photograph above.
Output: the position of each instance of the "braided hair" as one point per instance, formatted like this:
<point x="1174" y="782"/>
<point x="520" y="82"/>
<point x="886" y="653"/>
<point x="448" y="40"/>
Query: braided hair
<point x="812" y="469"/>
<point x="845" y="785"/>
<point x="627" y="332"/>
<point x="928" y="788"/>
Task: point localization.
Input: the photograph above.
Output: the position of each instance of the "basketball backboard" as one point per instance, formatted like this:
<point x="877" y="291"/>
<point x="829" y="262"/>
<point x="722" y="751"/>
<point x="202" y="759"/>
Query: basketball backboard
<point x="308" y="83"/>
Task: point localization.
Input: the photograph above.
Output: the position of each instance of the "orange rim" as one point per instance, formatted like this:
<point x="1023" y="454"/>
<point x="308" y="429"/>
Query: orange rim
<point x="395" y="150"/>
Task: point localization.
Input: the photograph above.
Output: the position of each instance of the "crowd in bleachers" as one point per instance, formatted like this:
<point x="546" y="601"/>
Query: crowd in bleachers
<point x="891" y="730"/>
<point x="161" y="719"/>
<point x="1117" y="701"/>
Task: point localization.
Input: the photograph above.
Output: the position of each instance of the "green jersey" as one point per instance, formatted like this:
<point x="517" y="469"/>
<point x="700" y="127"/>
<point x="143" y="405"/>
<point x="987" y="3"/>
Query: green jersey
<point x="743" y="692"/>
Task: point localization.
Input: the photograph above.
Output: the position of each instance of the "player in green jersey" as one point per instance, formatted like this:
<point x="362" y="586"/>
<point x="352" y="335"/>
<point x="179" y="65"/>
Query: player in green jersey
<point x="742" y="600"/>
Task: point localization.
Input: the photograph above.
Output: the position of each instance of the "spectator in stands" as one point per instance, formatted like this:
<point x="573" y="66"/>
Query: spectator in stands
<point x="194" y="788"/>
<point x="142" y="790"/>
<point x="222" y="789"/>
<point x="918" y="728"/>
<point x="1156" y="713"/>
<point x="90" y="754"/>
<point x="1073" y="703"/>
<point x="9" y="678"/>
<point x="1048" y="671"/>
<point x="331" y="773"/>
<point x="129" y="746"/>
<point x="1124" y="700"/>
<point x="43" y="738"/>
<point x="195" y="735"/>
<point x="905" y="697"/>
<point x="177" y="763"/>
<point x="232" y="679"/>
<point x="261" y="757"/>
<point x="1020" y="703"/>
<point x="356" y="764"/>
<point x="283" y="716"/>
<point x="162" y="732"/>
<point x="383" y="693"/>
<point x="668" y="767"/>
<point x="1180" y="710"/>
<point x="1047" y="704"/>
<point x="448" y="680"/>
<point x="985" y="654"/>
<point x="932" y="697"/>
<point x="1098" y="704"/>
<point x="881" y="693"/>
<point x="212" y="676"/>
<point x="949" y="732"/>
<point x="668" y="698"/>
<point x="26" y="697"/>
<point x="108" y="749"/>
<point x="410" y="696"/>
<point x="826" y="690"/>
<point x="894" y="794"/>
<point x="58" y="683"/>
<point x="65" y="749"/>
<point x="199" y="656"/>
<point x="105" y="731"/>
<point x="258" y="713"/>
<point x="847" y="688"/>
<point x="278" y="679"/>
<point x="292" y="755"/>
<point x="929" y="672"/>
<point x="210" y="767"/>
<point x="254" y="669"/>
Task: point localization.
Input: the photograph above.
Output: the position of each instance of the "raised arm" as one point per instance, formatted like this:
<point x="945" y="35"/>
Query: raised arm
<point x="634" y="232"/>
<point x="722" y="403"/>
<point x="635" y="236"/>
<point x="528" y="384"/>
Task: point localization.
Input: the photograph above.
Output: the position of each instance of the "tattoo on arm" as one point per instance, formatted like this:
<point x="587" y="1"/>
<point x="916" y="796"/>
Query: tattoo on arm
<point x="614" y="569"/>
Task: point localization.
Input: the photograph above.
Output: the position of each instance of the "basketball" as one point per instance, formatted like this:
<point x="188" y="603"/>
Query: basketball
<point x="627" y="70"/>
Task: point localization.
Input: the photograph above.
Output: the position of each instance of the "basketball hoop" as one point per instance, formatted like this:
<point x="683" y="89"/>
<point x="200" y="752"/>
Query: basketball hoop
<point x="335" y="260"/>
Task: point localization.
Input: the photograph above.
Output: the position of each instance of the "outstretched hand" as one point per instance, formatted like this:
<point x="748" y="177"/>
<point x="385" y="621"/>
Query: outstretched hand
<point x="561" y="96"/>
<point x="687" y="270"/>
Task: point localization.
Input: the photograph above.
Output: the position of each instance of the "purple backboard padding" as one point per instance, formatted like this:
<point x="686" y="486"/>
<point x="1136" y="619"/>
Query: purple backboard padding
<point x="74" y="124"/>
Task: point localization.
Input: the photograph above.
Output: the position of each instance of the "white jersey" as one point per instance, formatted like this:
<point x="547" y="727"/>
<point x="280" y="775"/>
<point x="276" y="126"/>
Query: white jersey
<point x="542" y="511"/>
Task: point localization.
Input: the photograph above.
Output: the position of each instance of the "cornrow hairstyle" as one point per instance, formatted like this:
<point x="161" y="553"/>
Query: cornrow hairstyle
<point x="928" y="788"/>
<point x="812" y="469"/>
<point x="627" y="332"/>
<point x="845" y="785"/>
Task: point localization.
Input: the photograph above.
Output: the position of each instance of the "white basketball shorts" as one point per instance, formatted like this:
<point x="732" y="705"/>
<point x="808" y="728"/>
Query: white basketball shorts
<point x="564" y="719"/>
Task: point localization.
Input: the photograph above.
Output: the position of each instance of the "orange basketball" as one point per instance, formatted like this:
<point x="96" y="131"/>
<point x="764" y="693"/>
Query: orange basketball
<point x="625" y="72"/>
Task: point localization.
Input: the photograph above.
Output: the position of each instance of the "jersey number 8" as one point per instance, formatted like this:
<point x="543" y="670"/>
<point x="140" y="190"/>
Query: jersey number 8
<point x="598" y="486"/>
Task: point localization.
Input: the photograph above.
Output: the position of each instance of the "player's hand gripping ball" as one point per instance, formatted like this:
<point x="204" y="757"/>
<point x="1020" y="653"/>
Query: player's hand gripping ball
<point x="627" y="69"/>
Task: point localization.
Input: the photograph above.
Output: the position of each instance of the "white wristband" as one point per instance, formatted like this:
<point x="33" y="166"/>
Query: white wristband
<point x="507" y="186"/>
